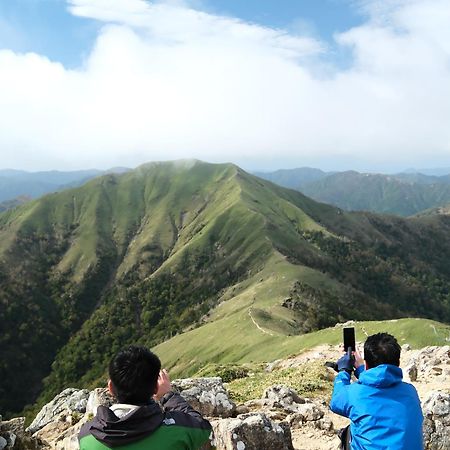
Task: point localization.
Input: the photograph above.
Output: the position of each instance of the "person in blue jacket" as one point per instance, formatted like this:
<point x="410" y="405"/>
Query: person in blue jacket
<point x="384" y="411"/>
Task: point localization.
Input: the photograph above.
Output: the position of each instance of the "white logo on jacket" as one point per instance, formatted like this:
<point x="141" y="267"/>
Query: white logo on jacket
<point x="169" y="421"/>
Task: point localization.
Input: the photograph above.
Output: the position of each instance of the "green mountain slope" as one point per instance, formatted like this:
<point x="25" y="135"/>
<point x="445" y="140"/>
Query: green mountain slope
<point x="380" y="193"/>
<point x="403" y="194"/>
<point x="207" y="249"/>
<point x="220" y="345"/>
<point x="440" y="210"/>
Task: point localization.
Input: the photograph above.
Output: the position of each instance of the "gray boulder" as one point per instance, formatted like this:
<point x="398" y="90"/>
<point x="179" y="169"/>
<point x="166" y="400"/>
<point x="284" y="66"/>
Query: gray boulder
<point x="14" y="436"/>
<point x="98" y="397"/>
<point x="309" y="412"/>
<point x="16" y="426"/>
<point x="283" y="397"/>
<point x="65" y="404"/>
<point x="436" y="410"/>
<point x="206" y="395"/>
<point x="62" y="432"/>
<point x="252" y="431"/>
<point x="429" y="362"/>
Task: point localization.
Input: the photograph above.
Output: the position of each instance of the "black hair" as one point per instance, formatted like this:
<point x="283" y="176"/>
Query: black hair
<point x="134" y="374"/>
<point x="381" y="348"/>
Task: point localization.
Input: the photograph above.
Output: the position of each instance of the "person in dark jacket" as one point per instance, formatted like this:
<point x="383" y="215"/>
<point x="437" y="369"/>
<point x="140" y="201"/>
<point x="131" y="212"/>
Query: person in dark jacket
<point x="149" y="414"/>
<point x="385" y="412"/>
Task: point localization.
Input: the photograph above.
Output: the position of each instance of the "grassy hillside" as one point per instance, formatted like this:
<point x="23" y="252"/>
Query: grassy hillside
<point x="234" y="262"/>
<point x="402" y="194"/>
<point x="259" y="346"/>
<point x="440" y="210"/>
<point x="248" y="381"/>
<point x="380" y="193"/>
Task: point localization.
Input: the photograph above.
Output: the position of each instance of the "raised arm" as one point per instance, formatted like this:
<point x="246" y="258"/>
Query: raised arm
<point x="178" y="409"/>
<point x="170" y="400"/>
<point x="339" y="400"/>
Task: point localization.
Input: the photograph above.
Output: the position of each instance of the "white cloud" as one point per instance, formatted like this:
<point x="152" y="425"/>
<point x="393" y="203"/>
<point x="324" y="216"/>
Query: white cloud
<point x="166" y="81"/>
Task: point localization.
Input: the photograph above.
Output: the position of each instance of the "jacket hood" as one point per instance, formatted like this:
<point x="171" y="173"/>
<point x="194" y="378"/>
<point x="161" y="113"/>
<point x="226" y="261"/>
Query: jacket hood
<point x="384" y="375"/>
<point x="114" y="431"/>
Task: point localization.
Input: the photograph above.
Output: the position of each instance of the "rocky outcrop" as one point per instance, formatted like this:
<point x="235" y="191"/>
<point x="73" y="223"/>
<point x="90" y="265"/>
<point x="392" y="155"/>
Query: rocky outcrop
<point x="283" y="403"/>
<point x="62" y="432"/>
<point x="206" y="395"/>
<point x="14" y="436"/>
<point x="69" y="404"/>
<point x="284" y="397"/>
<point x="429" y="363"/>
<point x="53" y="432"/>
<point x="436" y="410"/>
<point x="309" y="412"/>
<point x="59" y="422"/>
<point x="98" y="397"/>
<point x="251" y="431"/>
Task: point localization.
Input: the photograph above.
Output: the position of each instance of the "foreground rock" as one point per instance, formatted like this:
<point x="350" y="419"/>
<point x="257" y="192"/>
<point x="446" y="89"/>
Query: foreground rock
<point x="436" y="411"/>
<point x="206" y="395"/>
<point x="284" y="397"/>
<point x="429" y="363"/>
<point x="62" y="408"/>
<point x="98" y="397"/>
<point x="252" y="431"/>
<point x="14" y="436"/>
<point x="62" y="432"/>
<point x="283" y="403"/>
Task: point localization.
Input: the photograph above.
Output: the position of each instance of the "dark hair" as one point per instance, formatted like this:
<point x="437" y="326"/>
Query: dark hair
<point x="134" y="374"/>
<point x="381" y="348"/>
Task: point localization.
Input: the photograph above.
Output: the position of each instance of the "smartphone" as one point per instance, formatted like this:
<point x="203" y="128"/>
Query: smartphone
<point x="349" y="339"/>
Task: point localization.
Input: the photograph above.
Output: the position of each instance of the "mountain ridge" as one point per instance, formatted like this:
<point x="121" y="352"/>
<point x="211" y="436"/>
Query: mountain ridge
<point x="403" y="194"/>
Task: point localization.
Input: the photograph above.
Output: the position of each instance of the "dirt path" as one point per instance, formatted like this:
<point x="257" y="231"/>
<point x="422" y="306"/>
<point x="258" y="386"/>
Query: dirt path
<point x="256" y="324"/>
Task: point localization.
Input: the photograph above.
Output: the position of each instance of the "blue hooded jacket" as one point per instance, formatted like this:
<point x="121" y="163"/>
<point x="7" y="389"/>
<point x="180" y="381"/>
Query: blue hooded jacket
<point x="385" y="412"/>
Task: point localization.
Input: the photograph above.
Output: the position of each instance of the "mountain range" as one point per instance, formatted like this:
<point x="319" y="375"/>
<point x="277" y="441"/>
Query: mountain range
<point x="17" y="185"/>
<point x="404" y="194"/>
<point x="204" y="261"/>
<point x="10" y="204"/>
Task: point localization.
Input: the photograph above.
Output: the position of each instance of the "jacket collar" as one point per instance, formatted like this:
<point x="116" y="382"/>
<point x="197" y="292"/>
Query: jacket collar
<point x="384" y="375"/>
<point x="131" y="424"/>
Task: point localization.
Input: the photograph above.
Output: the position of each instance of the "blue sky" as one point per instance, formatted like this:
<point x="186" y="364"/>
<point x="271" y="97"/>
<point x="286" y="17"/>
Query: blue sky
<point x="324" y="17"/>
<point x="335" y="84"/>
<point x="47" y="27"/>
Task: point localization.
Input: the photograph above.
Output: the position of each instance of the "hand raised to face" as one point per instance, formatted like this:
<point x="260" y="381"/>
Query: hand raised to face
<point x="164" y="386"/>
